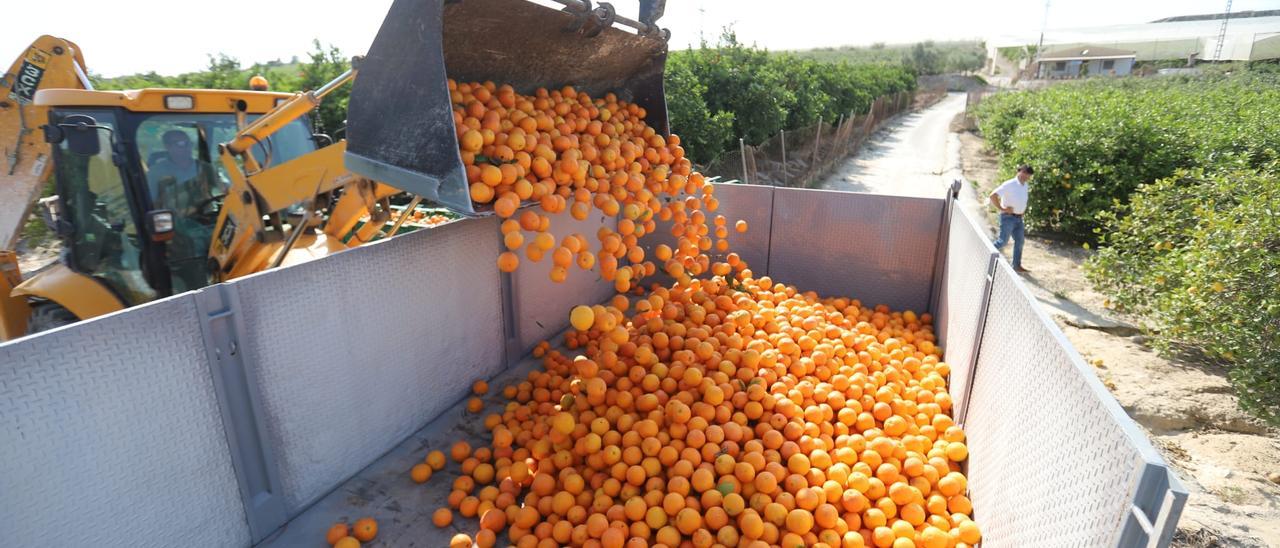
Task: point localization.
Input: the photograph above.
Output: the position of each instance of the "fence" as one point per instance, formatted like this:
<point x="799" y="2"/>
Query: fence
<point x="213" y="417"/>
<point x="976" y="97"/>
<point x="799" y="157"/>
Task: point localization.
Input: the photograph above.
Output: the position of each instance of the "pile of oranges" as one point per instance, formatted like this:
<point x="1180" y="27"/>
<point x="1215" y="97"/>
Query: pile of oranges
<point x="564" y="150"/>
<point x="730" y="411"/>
<point x="423" y="218"/>
<point x="724" y="410"/>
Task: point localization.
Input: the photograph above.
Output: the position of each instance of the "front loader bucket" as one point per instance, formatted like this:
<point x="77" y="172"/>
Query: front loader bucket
<point x="400" y="126"/>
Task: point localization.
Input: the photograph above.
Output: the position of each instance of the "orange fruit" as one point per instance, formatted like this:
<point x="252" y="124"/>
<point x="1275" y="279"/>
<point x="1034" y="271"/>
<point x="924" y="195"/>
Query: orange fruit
<point x="420" y="473"/>
<point x="364" y="529"/>
<point x="336" y="532"/>
<point x="442" y="517"/>
<point x="436" y="460"/>
<point x="508" y="261"/>
<point x="460" y="450"/>
<point x="347" y="542"/>
<point x="799" y="521"/>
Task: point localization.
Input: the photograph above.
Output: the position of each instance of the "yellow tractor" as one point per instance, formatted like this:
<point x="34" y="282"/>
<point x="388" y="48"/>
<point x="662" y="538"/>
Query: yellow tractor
<point x="160" y="191"/>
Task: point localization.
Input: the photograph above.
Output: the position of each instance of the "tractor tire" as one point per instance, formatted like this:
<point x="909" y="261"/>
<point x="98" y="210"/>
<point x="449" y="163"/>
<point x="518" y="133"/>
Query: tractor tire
<point x="48" y="315"/>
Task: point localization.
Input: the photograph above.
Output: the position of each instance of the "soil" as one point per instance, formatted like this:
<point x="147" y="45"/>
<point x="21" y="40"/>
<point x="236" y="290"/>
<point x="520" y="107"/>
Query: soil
<point x="1228" y="460"/>
<point x="36" y="256"/>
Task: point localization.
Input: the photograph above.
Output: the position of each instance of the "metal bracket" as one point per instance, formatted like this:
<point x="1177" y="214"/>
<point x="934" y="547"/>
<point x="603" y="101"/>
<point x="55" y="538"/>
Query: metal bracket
<point x="601" y="18"/>
<point x="1158" y="500"/>
<point x="236" y="385"/>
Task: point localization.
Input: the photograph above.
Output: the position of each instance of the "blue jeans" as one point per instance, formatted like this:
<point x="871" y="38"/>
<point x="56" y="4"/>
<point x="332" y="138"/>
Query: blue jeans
<point x="1011" y="225"/>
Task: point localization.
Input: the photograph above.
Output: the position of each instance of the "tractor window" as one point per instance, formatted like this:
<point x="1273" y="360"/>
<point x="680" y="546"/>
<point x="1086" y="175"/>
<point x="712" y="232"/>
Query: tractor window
<point x="179" y="153"/>
<point x="105" y="242"/>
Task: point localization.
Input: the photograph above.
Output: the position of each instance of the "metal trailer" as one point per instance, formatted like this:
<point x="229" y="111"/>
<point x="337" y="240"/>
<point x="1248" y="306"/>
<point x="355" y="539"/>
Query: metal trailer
<point x="258" y="412"/>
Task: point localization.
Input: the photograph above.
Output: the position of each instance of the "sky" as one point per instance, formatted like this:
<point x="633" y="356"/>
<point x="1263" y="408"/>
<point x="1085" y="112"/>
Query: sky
<point x="171" y="37"/>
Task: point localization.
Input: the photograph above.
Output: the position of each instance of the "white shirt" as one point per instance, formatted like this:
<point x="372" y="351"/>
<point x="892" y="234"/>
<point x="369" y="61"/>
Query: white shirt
<point x="1013" y="195"/>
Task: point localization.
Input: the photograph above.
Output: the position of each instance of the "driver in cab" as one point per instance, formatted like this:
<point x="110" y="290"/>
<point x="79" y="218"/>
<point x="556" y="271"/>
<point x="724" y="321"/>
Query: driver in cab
<point x="182" y="183"/>
<point x="178" y="180"/>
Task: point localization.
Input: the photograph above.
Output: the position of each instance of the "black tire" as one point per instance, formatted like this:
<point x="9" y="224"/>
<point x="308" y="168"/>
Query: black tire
<point x="48" y="315"/>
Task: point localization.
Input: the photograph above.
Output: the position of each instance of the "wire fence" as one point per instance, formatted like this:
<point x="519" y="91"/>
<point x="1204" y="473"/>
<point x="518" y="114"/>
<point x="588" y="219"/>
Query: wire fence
<point x="800" y="157"/>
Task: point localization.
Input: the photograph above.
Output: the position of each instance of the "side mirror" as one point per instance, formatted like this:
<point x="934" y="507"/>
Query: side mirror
<point x="80" y="131"/>
<point x="160" y="224"/>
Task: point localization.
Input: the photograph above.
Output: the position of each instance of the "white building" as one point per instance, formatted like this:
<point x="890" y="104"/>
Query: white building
<point x="1251" y="36"/>
<point x="1084" y="61"/>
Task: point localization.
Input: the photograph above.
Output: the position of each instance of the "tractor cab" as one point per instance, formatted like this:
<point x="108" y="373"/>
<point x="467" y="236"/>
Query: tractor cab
<point x="140" y="181"/>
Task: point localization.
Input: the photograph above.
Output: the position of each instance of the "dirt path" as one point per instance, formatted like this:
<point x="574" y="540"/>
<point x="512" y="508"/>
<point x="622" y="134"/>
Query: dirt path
<point x="912" y="156"/>
<point x="1229" y="460"/>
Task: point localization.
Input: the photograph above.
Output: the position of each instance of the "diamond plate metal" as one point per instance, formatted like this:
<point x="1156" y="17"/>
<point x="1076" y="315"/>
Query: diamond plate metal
<point x="358" y="350"/>
<point x="879" y="249"/>
<point x="541" y="306"/>
<point x="968" y="260"/>
<point x="110" y="434"/>
<point x="1054" y="461"/>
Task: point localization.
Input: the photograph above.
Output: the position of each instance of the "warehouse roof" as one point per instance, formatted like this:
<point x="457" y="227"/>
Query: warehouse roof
<point x="1248" y="38"/>
<point x="1087" y="52"/>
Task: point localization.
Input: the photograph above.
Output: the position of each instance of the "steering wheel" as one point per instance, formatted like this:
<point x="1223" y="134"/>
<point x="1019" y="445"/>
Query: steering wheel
<point x="204" y="213"/>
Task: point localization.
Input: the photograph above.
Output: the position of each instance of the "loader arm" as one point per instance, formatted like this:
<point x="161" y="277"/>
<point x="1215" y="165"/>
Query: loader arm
<point x="49" y="62"/>
<point x="242" y="243"/>
<point x="25" y="162"/>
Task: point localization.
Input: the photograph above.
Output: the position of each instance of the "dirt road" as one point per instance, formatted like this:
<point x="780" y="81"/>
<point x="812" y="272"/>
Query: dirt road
<point x="915" y="155"/>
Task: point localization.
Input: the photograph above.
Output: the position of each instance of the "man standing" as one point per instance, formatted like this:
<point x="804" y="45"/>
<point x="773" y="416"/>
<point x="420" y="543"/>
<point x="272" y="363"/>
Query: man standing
<point x="1011" y="199"/>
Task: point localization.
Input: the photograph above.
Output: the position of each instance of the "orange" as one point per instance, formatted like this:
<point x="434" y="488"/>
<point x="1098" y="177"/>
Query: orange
<point x="364" y="529"/>
<point x="969" y="533"/>
<point x="420" y="473"/>
<point x="336" y="533"/>
<point x="460" y="450"/>
<point x="799" y="521"/>
<point x="347" y="542"/>
<point x="442" y="517"/>
<point x="688" y="520"/>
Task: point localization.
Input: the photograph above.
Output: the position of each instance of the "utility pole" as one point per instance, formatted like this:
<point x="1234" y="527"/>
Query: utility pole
<point x="1222" y="33"/>
<point x="1044" y="23"/>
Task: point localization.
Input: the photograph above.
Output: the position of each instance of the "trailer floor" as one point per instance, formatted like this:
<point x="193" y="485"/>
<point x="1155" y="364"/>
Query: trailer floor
<point x="384" y="491"/>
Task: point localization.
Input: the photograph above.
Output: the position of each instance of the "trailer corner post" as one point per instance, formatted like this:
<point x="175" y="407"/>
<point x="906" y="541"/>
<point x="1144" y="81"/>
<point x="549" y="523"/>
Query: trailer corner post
<point x="236" y="384"/>
<point x="742" y="152"/>
<point x="783" y="136"/>
<point x="817" y="147"/>
<point x="950" y="202"/>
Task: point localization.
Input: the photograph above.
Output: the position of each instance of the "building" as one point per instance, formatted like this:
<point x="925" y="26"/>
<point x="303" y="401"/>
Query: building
<point x="1085" y="61"/>
<point x="1250" y="36"/>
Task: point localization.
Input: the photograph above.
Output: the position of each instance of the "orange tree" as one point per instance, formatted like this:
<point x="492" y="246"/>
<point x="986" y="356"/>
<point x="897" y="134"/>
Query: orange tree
<point x="1094" y="143"/>
<point x="717" y="94"/>
<point x="1200" y="255"/>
